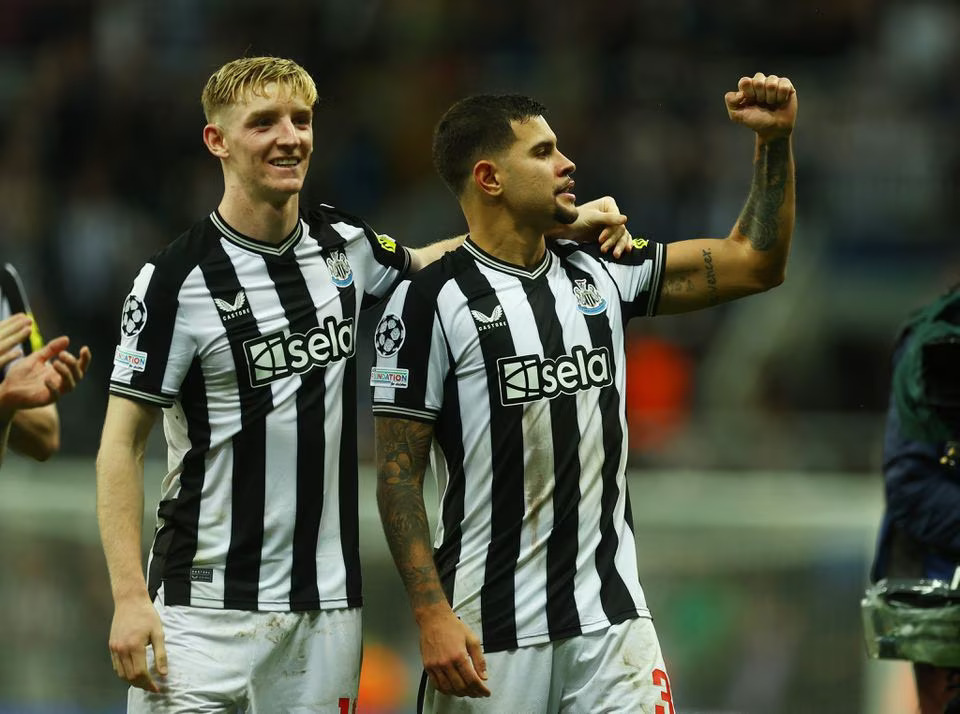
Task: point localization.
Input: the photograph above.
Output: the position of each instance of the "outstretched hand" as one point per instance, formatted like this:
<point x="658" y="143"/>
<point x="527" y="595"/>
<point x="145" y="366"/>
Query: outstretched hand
<point x="765" y="103"/>
<point x="598" y="220"/>
<point x="43" y="376"/>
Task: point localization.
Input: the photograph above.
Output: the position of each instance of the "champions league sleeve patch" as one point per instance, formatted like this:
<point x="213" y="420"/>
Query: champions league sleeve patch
<point x="389" y="335"/>
<point x="133" y="316"/>
<point x="134" y="359"/>
<point x="390" y="378"/>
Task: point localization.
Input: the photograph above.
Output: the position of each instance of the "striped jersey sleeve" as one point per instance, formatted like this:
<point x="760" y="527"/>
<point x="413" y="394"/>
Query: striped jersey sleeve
<point x="412" y="359"/>
<point x="154" y="351"/>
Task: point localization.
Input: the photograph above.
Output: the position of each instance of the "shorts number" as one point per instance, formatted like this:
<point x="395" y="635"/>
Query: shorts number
<point x="660" y="679"/>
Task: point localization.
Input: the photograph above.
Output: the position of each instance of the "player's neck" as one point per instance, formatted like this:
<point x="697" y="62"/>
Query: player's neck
<point x="261" y="220"/>
<point x="503" y="238"/>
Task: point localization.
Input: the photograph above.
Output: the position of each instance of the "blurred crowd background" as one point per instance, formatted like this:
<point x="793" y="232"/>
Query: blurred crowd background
<point x="102" y="163"/>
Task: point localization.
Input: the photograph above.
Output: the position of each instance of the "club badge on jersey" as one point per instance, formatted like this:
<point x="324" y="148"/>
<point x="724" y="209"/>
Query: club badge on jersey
<point x="589" y="299"/>
<point x="340" y="271"/>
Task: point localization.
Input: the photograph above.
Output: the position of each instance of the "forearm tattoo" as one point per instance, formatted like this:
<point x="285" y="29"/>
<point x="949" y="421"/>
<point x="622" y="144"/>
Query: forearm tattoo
<point x="402" y="450"/>
<point x="714" y="294"/>
<point x="760" y="218"/>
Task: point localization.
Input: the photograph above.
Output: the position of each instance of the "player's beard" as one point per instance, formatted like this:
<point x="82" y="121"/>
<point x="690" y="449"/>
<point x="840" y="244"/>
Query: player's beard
<point x="564" y="215"/>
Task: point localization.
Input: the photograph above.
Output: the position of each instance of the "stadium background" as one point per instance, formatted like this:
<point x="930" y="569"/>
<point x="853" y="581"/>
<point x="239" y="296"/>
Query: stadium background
<point x="755" y="481"/>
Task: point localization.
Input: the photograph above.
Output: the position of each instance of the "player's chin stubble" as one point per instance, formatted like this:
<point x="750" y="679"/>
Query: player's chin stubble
<point x="564" y="215"/>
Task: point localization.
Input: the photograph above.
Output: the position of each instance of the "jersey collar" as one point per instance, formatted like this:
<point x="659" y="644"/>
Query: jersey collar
<point x="505" y="267"/>
<point x="252" y="244"/>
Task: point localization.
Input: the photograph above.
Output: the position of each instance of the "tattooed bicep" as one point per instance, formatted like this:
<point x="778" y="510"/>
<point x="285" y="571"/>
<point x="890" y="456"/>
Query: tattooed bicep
<point x="403" y="447"/>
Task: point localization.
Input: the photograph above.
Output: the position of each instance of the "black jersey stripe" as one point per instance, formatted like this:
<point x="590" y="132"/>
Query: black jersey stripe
<point x="349" y="487"/>
<point x="242" y="569"/>
<point x="562" y="544"/>
<point x="449" y="434"/>
<point x="175" y="543"/>
<point x="498" y="593"/>
<point x="301" y="315"/>
<point x="615" y="597"/>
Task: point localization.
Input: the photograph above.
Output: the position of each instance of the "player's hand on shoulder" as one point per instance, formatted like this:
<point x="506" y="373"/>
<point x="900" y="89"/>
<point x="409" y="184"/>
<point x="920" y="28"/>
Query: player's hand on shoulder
<point x="599" y="221"/>
<point x="765" y="103"/>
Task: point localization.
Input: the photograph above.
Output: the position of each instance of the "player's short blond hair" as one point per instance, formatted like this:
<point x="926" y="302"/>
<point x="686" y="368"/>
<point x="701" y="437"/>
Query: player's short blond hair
<point x="237" y="80"/>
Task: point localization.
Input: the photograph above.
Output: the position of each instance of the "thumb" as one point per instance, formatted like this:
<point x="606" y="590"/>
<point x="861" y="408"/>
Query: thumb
<point x="159" y="650"/>
<point x="476" y="656"/>
<point x="734" y="100"/>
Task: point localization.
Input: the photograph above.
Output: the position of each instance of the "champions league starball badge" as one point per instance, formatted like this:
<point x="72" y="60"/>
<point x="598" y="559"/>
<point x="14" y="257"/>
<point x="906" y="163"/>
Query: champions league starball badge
<point x="389" y="335"/>
<point x="133" y="316"/>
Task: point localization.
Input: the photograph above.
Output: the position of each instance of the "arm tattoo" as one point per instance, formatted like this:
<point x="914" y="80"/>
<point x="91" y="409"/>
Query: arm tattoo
<point x="678" y="286"/>
<point x="402" y="450"/>
<point x="711" y="277"/>
<point x="759" y="220"/>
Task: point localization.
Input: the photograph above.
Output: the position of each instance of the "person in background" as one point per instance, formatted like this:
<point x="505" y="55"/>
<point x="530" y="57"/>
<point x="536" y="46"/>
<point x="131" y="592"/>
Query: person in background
<point x="919" y="536"/>
<point x="33" y="376"/>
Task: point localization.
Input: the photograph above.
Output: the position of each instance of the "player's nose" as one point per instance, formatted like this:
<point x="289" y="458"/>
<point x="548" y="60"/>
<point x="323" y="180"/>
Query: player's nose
<point x="287" y="133"/>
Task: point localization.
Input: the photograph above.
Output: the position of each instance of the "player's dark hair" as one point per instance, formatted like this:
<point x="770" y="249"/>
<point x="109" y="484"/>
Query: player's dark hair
<point x="476" y="126"/>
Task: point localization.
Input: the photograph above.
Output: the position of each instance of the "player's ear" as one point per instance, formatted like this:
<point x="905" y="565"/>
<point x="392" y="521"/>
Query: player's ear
<point x="486" y="176"/>
<point x="215" y="140"/>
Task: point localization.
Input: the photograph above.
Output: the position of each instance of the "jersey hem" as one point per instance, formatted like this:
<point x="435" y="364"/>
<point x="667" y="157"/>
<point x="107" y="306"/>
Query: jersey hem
<point x="545" y="637"/>
<point x="255" y="606"/>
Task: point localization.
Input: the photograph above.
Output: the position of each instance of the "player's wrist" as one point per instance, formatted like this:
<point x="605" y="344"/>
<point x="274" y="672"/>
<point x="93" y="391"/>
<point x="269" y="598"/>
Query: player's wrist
<point x="129" y="593"/>
<point x="427" y="613"/>
<point x="771" y="136"/>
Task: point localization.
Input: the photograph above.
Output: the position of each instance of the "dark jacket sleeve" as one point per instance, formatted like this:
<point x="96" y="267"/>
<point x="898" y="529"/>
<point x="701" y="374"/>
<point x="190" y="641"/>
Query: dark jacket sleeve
<point x="922" y="494"/>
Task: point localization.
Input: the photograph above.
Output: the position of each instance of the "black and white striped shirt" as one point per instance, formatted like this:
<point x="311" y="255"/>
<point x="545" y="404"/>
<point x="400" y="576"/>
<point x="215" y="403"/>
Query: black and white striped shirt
<point x="522" y="374"/>
<point x="249" y="348"/>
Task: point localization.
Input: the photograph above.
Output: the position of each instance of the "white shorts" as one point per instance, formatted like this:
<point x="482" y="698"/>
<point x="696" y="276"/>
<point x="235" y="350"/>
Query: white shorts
<point x="267" y="662"/>
<point x="619" y="669"/>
